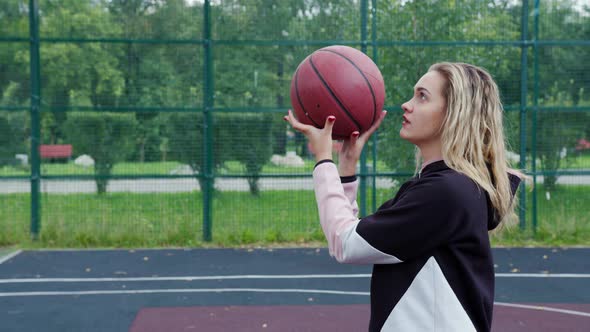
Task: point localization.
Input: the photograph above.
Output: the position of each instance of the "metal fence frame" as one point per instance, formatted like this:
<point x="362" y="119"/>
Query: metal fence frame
<point x="367" y="178"/>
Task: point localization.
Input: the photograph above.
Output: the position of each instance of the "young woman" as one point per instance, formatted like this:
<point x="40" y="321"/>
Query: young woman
<point x="433" y="268"/>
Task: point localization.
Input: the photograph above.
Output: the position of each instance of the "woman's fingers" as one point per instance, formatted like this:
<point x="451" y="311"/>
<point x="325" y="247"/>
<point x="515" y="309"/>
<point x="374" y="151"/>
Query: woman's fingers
<point x="308" y="129"/>
<point x="375" y="125"/>
<point x="320" y="140"/>
<point x="354" y="144"/>
<point x="354" y="137"/>
<point x="329" y="125"/>
<point x="303" y="128"/>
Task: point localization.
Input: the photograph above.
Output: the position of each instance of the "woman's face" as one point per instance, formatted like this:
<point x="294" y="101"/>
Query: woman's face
<point x="424" y="113"/>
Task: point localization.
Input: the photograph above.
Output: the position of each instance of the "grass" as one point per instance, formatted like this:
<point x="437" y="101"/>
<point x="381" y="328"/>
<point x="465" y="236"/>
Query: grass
<point x="581" y="161"/>
<point x="563" y="218"/>
<point x="573" y="161"/>
<point x="239" y="219"/>
<point x="5" y="251"/>
<point x="163" y="219"/>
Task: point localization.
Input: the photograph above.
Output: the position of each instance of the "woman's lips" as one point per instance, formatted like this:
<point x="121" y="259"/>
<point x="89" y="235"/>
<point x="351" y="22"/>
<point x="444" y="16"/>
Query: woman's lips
<point x="405" y="122"/>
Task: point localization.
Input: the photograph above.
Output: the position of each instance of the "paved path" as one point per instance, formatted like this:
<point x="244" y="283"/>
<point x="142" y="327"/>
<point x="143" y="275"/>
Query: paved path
<point x="163" y="185"/>
<point x="191" y="184"/>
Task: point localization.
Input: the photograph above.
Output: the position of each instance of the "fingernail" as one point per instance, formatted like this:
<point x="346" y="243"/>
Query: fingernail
<point x="285" y="118"/>
<point x="355" y="134"/>
<point x="331" y="118"/>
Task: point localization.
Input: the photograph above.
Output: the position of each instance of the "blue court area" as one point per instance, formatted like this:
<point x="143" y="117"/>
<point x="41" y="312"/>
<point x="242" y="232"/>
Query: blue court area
<point x="537" y="289"/>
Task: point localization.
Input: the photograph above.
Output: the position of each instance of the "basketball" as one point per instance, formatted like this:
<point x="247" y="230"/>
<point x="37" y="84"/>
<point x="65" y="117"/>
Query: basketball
<point x="341" y="81"/>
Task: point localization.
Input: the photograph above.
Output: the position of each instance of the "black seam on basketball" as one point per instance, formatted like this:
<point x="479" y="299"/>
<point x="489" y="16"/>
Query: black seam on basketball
<point x="299" y="99"/>
<point x="333" y="95"/>
<point x="364" y="77"/>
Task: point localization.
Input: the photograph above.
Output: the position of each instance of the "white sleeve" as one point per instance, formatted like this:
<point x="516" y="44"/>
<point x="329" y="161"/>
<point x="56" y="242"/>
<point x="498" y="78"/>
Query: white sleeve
<point x="338" y="217"/>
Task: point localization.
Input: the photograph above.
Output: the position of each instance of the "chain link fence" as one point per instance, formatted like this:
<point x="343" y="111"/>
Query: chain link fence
<point x="152" y="122"/>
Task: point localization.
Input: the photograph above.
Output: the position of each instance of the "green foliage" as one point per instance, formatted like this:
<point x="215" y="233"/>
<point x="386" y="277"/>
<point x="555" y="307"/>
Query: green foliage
<point x="274" y="217"/>
<point x="250" y="143"/>
<point x="106" y="137"/>
<point x="6" y="143"/>
<point x="185" y="141"/>
<point x="245" y="138"/>
<point x="557" y="133"/>
<point x="398" y="154"/>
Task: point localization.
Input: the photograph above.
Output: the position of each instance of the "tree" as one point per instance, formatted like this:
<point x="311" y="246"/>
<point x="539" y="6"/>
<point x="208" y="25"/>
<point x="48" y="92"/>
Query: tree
<point x="557" y="135"/>
<point x="185" y="141"/>
<point x="160" y="74"/>
<point x="250" y="143"/>
<point x="6" y="143"/>
<point x="106" y="137"/>
<point x="81" y="74"/>
<point x="563" y="82"/>
<point x="439" y="20"/>
<point x="14" y="87"/>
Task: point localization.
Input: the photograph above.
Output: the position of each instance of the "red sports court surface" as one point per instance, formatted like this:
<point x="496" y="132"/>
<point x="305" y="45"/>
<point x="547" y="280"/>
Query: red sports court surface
<point x="541" y="289"/>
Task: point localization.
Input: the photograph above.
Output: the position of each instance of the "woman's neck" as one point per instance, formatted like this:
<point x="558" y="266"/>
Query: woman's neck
<point x="430" y="154"/>
<point x="428" y="162"/>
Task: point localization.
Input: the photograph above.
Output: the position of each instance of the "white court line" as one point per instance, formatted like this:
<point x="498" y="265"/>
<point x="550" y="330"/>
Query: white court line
<point x="542" y="275"/>
<point x="262" y="276"/>
<point x="186" y="290"/>
<point x="258" y="290"/>
<point x="185" y="278"/>
<point x="9" y="256"/>
<point x="542" y="308"/>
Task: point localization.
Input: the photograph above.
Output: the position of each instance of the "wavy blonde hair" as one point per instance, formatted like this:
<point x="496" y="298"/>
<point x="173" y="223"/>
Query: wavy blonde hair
<point x="472" y="133"/>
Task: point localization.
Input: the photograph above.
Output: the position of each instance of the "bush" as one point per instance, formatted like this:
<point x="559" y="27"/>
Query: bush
<point x="245" y="138"/>
<point x="185" y="142"/>
<point x="6" y="143"/>
<point x="251" y="144"/>
<point x="107" y="138"/>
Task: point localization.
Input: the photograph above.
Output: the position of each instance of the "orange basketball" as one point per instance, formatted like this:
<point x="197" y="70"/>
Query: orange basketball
<point x="340" y="81"/>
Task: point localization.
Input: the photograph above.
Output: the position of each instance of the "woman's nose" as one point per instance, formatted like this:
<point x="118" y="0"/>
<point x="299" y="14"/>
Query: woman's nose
<point x="407" y="107"/>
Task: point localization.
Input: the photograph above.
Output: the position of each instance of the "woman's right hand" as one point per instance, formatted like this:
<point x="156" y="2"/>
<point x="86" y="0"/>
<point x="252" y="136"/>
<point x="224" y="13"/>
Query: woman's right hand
<point x="320" y="140"/>
<point x="352" y="148"/>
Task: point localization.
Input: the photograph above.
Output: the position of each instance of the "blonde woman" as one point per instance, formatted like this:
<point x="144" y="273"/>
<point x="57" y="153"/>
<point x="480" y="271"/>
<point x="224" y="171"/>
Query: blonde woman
<point x="429" y="245"/>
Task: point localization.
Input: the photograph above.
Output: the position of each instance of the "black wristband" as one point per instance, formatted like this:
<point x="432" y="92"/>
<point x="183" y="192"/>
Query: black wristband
<point x="348" y="179"/>
<point x="323" y="161"/>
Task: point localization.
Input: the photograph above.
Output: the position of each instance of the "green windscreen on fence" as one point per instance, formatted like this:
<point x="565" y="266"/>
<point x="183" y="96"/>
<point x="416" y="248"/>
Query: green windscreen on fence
<point x="149" y="123"/>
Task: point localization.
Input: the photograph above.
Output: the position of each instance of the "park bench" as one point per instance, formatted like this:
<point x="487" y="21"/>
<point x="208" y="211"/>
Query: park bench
<point x="55" y="151"/>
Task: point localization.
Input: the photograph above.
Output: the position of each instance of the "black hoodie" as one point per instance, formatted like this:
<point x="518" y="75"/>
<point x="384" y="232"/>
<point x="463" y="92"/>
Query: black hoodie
<point x="433" y="266"/>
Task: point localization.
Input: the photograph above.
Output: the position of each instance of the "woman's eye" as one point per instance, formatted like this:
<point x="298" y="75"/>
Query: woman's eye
<point x="422" y="96"/>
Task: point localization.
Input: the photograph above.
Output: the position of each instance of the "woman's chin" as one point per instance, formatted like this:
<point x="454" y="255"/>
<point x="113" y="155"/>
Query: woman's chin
<point x="404" y="135"/>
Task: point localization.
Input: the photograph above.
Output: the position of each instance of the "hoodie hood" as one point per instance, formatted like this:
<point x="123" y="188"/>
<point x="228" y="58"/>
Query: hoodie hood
<point x="493" y="218"/>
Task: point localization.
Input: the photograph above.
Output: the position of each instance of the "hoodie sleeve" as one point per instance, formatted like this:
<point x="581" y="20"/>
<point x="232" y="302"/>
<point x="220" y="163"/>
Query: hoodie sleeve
<point x="422" y="218"/>
<point x="337" y="209"/>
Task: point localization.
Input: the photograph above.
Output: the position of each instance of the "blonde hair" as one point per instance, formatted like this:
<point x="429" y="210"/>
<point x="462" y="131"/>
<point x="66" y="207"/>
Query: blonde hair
<point x="472" y="133"/>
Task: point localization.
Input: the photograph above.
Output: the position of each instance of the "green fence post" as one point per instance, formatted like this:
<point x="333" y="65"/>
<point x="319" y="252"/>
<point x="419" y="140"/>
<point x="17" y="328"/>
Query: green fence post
<point x="523" y="104"/>
<point x="375" y="135"/>
<point x="35" y="116"/>
<point x="207" y="126"/>
<point x="535" y="109"/>
<point x="363" y="168"/>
